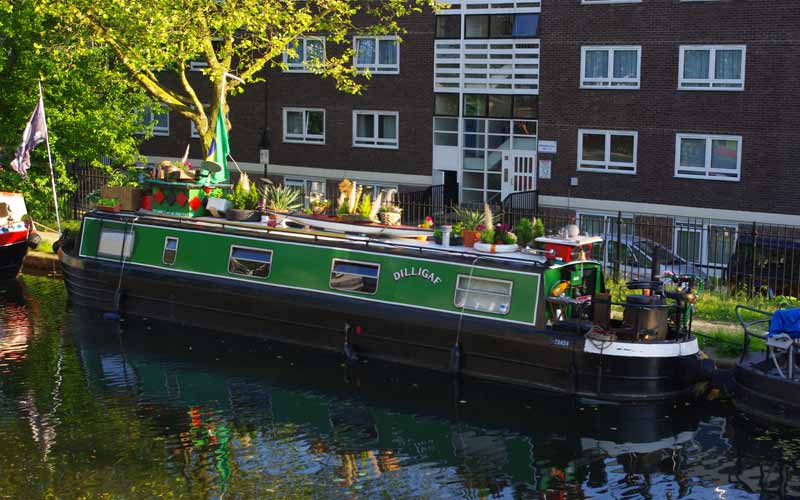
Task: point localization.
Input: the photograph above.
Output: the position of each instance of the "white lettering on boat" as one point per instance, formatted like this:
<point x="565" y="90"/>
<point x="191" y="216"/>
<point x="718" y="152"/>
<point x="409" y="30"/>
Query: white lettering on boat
<point x="422" y="272"/>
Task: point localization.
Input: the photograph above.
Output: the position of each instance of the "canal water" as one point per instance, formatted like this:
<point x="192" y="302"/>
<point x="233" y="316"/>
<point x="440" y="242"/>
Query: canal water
<point x="97" y="409"/>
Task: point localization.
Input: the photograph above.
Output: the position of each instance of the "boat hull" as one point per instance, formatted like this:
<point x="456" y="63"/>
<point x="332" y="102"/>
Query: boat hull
<point x="765" y="396"/>
<point x="11" y="258"/>
<point x="517" y="354"/>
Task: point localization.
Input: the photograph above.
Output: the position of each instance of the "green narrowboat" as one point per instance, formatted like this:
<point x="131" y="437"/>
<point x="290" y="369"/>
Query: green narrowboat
<point x="518" y="318"/>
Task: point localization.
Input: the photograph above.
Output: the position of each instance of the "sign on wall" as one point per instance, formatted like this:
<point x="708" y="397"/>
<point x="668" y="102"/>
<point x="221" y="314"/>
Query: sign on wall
<point x="548" y="147"/>
<point x="545" y="169"/>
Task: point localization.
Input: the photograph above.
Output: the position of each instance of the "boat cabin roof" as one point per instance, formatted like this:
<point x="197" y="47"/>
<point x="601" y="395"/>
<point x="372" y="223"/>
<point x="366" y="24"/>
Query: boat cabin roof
<point x="575" y="241"/>
<point x="405" y="246"/>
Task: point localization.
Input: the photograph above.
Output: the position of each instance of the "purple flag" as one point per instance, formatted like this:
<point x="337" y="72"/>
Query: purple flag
<point x="35" y="134"/>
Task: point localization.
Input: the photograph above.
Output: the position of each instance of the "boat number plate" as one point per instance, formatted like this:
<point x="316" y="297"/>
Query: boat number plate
<point x="562" y="342"/>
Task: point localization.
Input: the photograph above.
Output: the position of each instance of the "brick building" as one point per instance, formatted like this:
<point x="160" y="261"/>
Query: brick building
<point x="676" y="109"/>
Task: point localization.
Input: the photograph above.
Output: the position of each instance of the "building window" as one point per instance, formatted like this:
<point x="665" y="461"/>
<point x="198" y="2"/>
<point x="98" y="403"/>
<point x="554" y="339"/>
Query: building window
<point x="376" y="129"/>
<point x="309" y="52"/>
<point x="500" y="106"/>
<point x="377" y="54"/>
<point x="615" y="67"/>
<point x="712" y="67"/>
<point x="448" y="26"/>
<point x="170" y="250"/>
<point x="445" y="104"/>
<point x="160" y="120"/>
<point x="198" y="65"/>
<point x="611" y="151"/>
<point x="445" y="131"/>
<point x="501" y="26"/>
<point x="311" y="188"/>
<point x="717" y="157"/>
<point x="351" y="276"/>
<point x="483" y="294"/>
<point x="251" y="262"/>
<point x="304" y="125"/>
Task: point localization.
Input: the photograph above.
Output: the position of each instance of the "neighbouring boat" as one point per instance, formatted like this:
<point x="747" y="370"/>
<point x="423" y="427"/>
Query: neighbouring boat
<point x="767" y="384"/>
<point x="518" y="318"/>
<point x="16" y="234"/>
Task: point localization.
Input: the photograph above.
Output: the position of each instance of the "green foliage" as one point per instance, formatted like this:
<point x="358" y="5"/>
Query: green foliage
<point x="538" y="228"/>
<point x="343" y="210"/>
<point x="152" y="38"/>
<point x="125" y="177"/>
<point x="244" y="197"/>
<point x="524" y="232"/>
<point x="509" y="238"/>
<point x="107" y="202"/>
<point x="469" y="219"/>
<point x="487" y="236"/>
<point x="365" y="207"/>
<point x="90" y="103"/>
<point x="281" y="198"/>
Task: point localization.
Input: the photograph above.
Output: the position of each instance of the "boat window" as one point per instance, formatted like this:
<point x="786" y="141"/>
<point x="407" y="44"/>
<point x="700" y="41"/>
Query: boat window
<point x="170" y="250"/>
<point x="360" y="277"/>
<point x="253" y="262"/>
<point x="483" y="294"/>
<point x="111" y="243"/>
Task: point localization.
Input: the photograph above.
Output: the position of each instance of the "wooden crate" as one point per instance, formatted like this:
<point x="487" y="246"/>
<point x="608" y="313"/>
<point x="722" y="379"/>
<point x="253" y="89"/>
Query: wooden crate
<point x="130" y="198"/>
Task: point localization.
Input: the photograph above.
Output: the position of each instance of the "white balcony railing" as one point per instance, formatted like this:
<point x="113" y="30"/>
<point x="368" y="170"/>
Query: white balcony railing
<point x="502" y="66"/>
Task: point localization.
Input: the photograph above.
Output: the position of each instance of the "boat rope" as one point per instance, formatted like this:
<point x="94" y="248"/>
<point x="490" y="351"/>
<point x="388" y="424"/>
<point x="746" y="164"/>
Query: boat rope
<point x="115" y="315"/>
<point x="455" y="351"/>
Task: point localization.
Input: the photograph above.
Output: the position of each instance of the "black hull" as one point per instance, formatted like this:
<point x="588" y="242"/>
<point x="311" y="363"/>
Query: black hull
<point x="505" y="352"/>
<point x="764" y="396"/>
<point x="11" y="259"/>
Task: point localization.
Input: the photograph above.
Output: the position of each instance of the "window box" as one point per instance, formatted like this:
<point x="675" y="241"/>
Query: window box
<point x="377" y="54"/>
<point x="717" y="157"/>
<point x="611" y="68"/>
<point x="611" y="151"/>
<point x="712" y="67"/>
<point x="376" y="129"/>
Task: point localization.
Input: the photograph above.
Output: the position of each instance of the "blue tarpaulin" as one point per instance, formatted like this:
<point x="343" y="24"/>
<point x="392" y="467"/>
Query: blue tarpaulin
<point x="786" y="321"/>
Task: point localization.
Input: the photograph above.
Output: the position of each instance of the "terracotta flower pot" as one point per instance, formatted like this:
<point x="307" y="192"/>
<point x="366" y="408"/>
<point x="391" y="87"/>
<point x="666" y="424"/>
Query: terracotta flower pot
<point x="470" y="237"/>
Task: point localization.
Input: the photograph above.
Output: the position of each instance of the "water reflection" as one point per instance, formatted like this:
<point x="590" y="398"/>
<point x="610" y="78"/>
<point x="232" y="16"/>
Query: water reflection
<point x="153" y="410"/>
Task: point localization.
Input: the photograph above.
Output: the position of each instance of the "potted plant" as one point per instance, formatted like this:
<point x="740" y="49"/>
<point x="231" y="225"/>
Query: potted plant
<point x="281" y="200"/>
<point x="427" y="224"/>
<point x="471" y="222"/>
<point x="391" y="215"/>
<point x="244" y="199"/>
<point x="497" y="240"/>
<point x="355" y="205"/>
<point x="524" y="232"/>
<point x="455" y="238"/>
<point x="318" y="204"/>
<point x="108" y="204"/>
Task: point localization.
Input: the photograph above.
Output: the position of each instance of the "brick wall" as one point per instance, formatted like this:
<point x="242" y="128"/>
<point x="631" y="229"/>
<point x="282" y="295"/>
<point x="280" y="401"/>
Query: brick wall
<point x="766" y="114"/>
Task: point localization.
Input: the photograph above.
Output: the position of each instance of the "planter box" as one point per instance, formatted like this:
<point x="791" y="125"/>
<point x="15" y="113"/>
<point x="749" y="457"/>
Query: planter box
<point x="130" y="198"/>
<point x="179" y="199"/>
<point x="115" y="209"/>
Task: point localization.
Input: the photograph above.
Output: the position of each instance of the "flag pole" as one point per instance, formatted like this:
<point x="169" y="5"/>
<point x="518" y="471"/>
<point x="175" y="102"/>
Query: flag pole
<point x="50" y="160"/>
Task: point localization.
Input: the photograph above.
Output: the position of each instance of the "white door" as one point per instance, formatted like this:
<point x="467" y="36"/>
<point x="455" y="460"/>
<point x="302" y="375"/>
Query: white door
<point x="519" y="172"/>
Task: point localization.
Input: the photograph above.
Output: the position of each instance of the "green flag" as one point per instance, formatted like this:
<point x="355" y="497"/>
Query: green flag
<point x="219" y="149"/>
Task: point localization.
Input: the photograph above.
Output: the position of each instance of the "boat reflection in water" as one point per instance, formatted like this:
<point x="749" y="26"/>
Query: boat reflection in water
<point x="238" y="408"/>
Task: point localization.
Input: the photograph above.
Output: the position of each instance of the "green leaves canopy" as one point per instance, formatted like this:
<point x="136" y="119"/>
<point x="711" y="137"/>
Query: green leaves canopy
<point x="156" y="40"/>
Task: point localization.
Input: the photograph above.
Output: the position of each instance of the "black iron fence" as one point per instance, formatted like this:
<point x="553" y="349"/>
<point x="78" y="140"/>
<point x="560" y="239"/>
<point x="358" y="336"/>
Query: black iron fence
<point x="88" y="181"/>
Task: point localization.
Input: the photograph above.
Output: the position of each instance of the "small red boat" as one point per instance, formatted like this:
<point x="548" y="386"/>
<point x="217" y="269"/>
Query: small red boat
<point x="16" y="234"/>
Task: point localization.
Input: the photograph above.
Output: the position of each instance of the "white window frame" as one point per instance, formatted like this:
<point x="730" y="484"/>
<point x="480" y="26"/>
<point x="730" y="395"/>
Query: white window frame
<point x="468" y="291"/>
<point x="302" y="66"/>
<point x="706" y="172"/>
<point x="377" y="68"/>
<point x="305" y="137"/>
<point x="197" y="65"/>
<point x="376" y="142"/>
<point x="606" y="165"/>
<point x="148" y="116"/>
<point x="304" y="185"/>
<point x="710" y="82"/>
<point x="610" y="82"/>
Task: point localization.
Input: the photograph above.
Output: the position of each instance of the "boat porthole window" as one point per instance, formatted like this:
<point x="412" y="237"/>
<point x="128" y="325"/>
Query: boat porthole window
<point x="483" y="294"/>
<point x="252" y="262"/>
<point x="170" y="250"/>
<point x="351" y="276"/>
<point x="112" y="241"/>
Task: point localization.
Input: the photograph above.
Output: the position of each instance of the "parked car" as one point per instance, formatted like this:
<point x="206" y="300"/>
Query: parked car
<point x="767" y="264"/>
<point x="635" y="258"/>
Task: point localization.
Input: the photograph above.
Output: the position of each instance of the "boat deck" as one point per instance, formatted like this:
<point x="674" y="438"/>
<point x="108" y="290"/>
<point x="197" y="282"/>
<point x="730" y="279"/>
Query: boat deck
<point x="407" y="244"/>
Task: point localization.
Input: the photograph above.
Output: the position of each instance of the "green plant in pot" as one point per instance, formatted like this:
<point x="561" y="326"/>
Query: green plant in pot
<point x="282" y="198"/>
<point x="244" y="197"/>
<point x="471" y="222"/>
